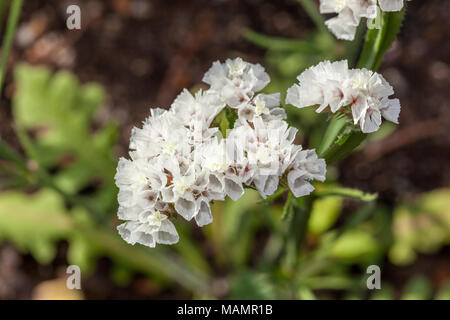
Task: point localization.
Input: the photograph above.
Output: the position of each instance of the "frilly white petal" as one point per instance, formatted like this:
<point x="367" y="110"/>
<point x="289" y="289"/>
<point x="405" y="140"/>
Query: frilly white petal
<point x="233" y="188"/>
<point x="167" y="233"/>
<point x="371" y="122"/>
<point x="204" y="216"/>
<point x="391" y="109"/>
<point x="186" y="208"/>
<point x="297" y="183"/>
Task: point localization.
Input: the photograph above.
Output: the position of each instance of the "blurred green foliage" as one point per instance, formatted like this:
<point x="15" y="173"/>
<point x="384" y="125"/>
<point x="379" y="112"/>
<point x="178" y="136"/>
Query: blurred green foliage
<point x="280" y="247"/>
<point x="421" y="227"/>
<point x="55" y="117"/>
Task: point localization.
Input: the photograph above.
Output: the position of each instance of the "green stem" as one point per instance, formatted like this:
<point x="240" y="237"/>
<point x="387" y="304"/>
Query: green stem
<point x="3" y="7"/>
<point x="379" y="40"/>
<point x="296" y="231"/>
<point x="346" y="192"/>
<point x="14" y="13"/>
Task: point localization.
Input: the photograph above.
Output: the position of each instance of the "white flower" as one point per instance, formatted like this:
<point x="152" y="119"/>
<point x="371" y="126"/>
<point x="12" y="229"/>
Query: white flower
<point x="270" y="153"/>
<point x="306" y="167"/>
<point x="350" y="12"/>
<point x="323" y="85"/>
<point x="266" y="106"/>
<point x="198" y="112"/>
<point x="150" y="228"/>
<point x="369" y="93"/>
<point x="236" y="81"/>
<point x="179" y="162"/>
<point x="365" y="92"/>
<point x="349" y="16"/>
<point x="344" y="25"/>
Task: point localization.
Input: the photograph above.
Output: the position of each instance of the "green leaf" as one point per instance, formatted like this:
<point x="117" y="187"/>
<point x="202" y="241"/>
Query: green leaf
<point x="232" y="116"/>
<point x="357" y="218"/>
<point x="421" y="227"/>
<point x="341" y="151"/>
<point x="393" y="25"/>
<point x="232" y="233"/>
<point x="250" y="285"/>
<point x="324" y="214"/>
<point x="59" y="111"/>
<point x="418" y="288"/>
<point x="34" y="223"/>
<point x="334" y="129"/>
<point x="444" y="292"/>
<point x="355" y="245"/>
<point x="378" y="40"/>
<point x="386" y="292"/>
<point x="304" y="293"/>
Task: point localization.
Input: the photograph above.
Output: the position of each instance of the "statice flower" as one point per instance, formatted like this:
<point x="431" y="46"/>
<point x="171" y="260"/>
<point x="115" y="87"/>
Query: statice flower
<point x="179" y="162"/>
<point x="237" y="82"/>
<point x="350" y="12"/>
<point x="360" y="92"/>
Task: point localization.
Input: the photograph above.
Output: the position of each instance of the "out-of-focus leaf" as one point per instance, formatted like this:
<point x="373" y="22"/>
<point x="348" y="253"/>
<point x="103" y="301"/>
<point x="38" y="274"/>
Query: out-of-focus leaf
<point x="189" y="249"/>
<point x="423" y="226"/>
<point x="279" y="44"/>
<point x="332" y="282"/>
<point x="326" y="191"/>
<point x="233" y="229"/>
<point x="34" y="223"/>
<point x="305" y="293"/>
<point x="324" y="214"/>
<point x="357" y="218"/>
<point x="355" y="245"/>
<point x="444" y="292"/>
<point x="58" y="113"/>
<point x="386" y="129"/>
<point x="250" y="285"/>
<point x="386" y="292"/>
<point x="418" y="288"/>
<point x="121" y="275"/>
<point x="313" y="12"/>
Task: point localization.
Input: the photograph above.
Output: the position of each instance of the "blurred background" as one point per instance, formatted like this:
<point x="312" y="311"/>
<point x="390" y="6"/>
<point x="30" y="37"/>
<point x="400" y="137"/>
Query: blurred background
<point x="131" y="55"/>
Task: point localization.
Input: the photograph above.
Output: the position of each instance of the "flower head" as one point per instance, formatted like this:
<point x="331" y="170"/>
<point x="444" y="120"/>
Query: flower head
<point x="364" y="92"/>
<point x="180" y="162"/>
<point x="350" y="12"/>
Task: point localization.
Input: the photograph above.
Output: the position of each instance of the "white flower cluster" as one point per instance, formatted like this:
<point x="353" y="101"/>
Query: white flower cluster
<point x="180" y="161"/>
<point x="362" y="92"/>
<point x="350" y="13"/>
